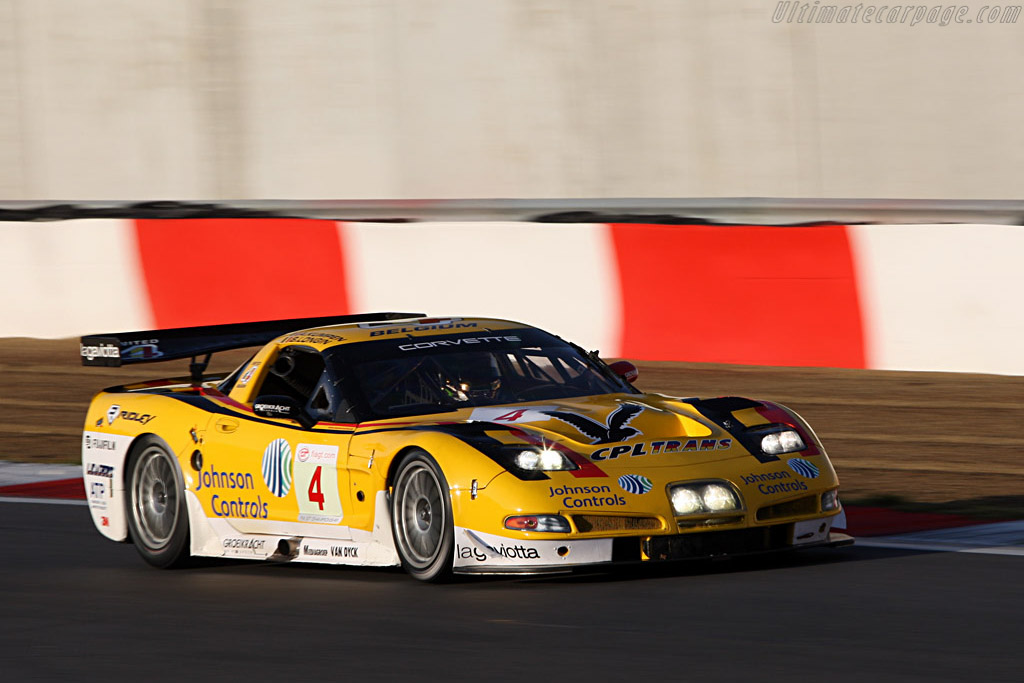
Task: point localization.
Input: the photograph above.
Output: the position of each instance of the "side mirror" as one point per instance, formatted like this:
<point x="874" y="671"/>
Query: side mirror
<point x="276" y="406"/>
<point x="625" y="370"/>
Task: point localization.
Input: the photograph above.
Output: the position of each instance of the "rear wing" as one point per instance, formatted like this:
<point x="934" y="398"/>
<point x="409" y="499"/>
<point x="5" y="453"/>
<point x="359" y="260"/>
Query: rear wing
<point x="150" y="346"/>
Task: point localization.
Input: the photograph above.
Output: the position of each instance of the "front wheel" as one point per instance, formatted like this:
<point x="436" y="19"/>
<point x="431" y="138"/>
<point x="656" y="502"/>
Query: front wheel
<point x="421" y="518"/>
<point x="157" y="518"/>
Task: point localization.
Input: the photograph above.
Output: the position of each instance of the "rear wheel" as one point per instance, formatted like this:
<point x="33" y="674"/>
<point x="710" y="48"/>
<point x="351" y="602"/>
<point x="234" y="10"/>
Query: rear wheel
<point x="157" y="519"/>
<point x="421" y="518"/>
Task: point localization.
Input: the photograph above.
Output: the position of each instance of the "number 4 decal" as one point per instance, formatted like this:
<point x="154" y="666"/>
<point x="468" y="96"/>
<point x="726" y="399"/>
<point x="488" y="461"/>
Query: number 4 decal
<point x="512" y="416"/>
<point x="316" y="473"/>
<point x="316" y="494"/>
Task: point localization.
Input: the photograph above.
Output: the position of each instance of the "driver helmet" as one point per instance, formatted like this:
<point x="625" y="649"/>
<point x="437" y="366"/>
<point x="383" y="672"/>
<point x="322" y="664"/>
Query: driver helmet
<point x="474" y="376"/>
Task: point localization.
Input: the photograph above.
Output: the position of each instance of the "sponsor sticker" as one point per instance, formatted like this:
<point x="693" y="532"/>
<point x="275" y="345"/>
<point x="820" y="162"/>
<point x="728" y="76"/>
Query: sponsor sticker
<point x="98" y="495"/>
<point x="246" y="543"/>
<point x="317" y="338"/>
<point x="246" y="547"/>
<point x="771" y="483"/>
<point x="811" y="531"/>
<point x="405" y="328"/>
<point x="636" y="484"/>
<point x="92" y="352"/>
<point x="467" y="341"/>
<point x="102" y="455"/>
<point x="97" y="470"/>
<point x="585" y="496"/>
<point x="509" y="551"/>
<point x="337" y="552"/>
<point x="659" y="447"/>
<point x="805" y="468"/>
<point x="316" y="454"/>
<point x="345" y="551"/>
<point x="145" y="351"/>
<point x="316" y="483"/>
<point x="238" y="507"/>
<point x="508" y="415"/>
<point x="274" y="408"/>
<point x="613" y="430"/>
<point x="277" y="467"/>
<point x="114" y="412"/>
<point x="130" y="343"/>
<point x="249" y="372"/>
<point x="211" y="478"/>
<point x="479" y="549"/>
<point x="95" y="443"/>
<point x="229" y="497"/>
<point x="136" y="417"/>
<point x="316" y="518"/>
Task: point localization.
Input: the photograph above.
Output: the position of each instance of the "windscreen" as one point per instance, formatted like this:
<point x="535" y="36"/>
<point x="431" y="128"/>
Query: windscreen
<point x="422" y="375"/>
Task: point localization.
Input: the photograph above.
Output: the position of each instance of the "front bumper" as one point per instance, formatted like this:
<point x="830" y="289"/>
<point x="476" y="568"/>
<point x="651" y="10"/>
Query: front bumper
<point x="480" y="553"/>
<point x="719" y="544"/>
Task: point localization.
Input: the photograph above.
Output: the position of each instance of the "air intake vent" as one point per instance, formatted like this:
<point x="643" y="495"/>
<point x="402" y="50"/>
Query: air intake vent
<point x="589" y="523"/>
<point x="807" y="505"/>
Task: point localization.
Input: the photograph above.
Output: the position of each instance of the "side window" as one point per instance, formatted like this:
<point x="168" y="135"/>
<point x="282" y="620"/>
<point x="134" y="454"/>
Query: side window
<point x="300" y="373"/>
<point x="229" y="382"/>
<point x="295" y="373"/>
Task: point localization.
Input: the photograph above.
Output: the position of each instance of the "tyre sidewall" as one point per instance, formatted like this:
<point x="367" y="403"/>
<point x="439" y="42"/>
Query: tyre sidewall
<point x="175" y="551"/>
<point x="441" y="568"/>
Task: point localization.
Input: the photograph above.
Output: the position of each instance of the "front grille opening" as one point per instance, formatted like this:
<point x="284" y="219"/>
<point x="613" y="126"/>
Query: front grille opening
<point x="807" y="505"/>
<point x="590" y="523"/>
<point x="709" y="521"/>
<point x="718" y="543"/>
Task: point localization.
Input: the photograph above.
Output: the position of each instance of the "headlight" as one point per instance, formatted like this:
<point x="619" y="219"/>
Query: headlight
<point x="685" y="501"/>
<point x="787" y="441"/>
<point x="830" y="500"/>
<point x="550" y="523"/>
<point x="707" y="497"/>
<point x="543" y="460"/>
<point x="718" y="498"/>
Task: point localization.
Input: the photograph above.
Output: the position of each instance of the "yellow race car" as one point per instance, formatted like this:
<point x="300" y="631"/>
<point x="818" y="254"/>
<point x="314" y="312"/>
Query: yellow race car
<point x="445" y="445"/>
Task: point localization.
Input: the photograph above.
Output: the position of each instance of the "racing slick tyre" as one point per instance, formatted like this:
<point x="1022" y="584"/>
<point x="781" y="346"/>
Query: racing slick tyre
<point x="421" y="518"/>
<point x="157" y="517"/>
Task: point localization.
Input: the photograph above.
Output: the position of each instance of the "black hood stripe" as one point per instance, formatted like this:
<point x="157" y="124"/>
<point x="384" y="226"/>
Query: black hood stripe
<point x="720" y="410"/>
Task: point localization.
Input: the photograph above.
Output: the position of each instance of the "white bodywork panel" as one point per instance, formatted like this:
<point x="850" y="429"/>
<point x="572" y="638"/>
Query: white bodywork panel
<point x="812" y="530"/>
<point x="483" y="552"/>
<point x="103" y="462"/>
<point x="474" y="550"/>
<point x="261" y="539"/>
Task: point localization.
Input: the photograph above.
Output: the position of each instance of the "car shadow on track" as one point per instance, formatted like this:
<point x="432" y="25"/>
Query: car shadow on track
<point x="611" y="574"/>
<point x="732" y="565"/>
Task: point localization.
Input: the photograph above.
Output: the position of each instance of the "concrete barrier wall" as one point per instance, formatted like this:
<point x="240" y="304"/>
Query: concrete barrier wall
<point x="153" y="99"/>
<point x="906" y="297"/>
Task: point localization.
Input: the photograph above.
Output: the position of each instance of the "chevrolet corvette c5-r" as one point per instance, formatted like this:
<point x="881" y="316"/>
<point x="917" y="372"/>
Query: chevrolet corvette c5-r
<point x="444" y="445"/>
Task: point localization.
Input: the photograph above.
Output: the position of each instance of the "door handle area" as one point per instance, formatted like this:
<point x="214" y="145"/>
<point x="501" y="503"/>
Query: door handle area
<point x="226" y="425"/>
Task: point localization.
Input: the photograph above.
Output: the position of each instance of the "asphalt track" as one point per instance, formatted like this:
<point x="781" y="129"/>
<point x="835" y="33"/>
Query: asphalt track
<point x="74" y="606"/>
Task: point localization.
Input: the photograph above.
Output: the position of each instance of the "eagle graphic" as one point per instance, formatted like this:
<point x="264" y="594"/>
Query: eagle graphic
<point x="614" y="430"/>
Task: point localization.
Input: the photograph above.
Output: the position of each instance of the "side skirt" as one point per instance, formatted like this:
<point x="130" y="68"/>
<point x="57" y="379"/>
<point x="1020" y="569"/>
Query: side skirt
<point x="216" y="537"/>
